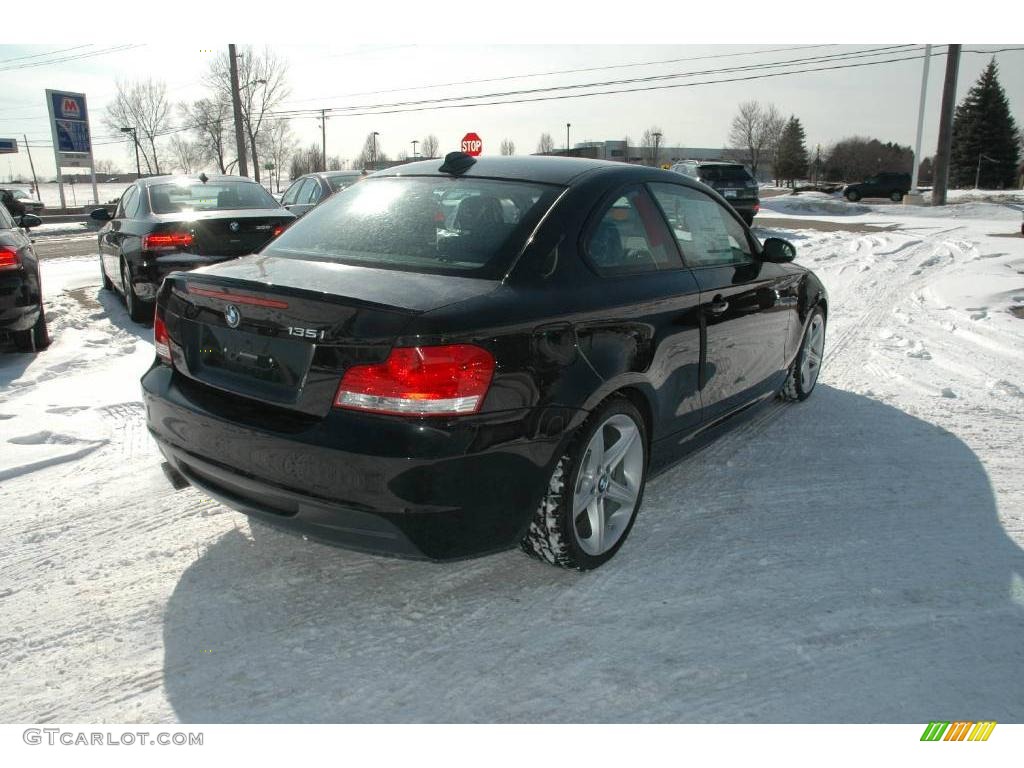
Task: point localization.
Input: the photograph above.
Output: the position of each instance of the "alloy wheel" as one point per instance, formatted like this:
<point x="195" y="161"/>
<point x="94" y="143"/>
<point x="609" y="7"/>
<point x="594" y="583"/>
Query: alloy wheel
<point x="814" y="348"/>
<point x="608" y="485"/>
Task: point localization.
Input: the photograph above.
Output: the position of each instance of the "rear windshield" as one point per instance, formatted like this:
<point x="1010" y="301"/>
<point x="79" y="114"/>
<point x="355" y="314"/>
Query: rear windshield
<point x="723" y="173"/>
<point x="428" y="224"/>
<point x="340" y="182"/>
<point x="212" y="196"/>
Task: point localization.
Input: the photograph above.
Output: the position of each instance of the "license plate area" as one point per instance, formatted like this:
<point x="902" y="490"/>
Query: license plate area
<point x="730" y="193"/>
<point x="260" y="366"/>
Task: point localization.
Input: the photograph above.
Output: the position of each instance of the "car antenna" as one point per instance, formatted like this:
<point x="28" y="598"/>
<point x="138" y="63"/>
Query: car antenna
<point x="203" y="178"/>
<point x="456" y="163"/>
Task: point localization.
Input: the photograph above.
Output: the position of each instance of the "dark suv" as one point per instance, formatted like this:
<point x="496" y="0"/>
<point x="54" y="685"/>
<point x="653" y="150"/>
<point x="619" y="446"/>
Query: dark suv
<point x="884" y="184"/>
<point x="731" y="180"/>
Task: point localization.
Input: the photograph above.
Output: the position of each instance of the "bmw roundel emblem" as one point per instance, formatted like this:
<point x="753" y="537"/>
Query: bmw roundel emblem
<point x="233" y="226"/>
<point x="232" y="316"/>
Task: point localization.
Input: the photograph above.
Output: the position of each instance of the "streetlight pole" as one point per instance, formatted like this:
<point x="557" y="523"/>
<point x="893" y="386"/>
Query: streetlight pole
<point x="657" y="141"/>
<point x="414" y="143"/>
<point x="920" y="122"/>
<point x="373" y="155"/>
<point x="977" y="175"/>
<point x="567" y="127"/>
<point x="135" y="140"/>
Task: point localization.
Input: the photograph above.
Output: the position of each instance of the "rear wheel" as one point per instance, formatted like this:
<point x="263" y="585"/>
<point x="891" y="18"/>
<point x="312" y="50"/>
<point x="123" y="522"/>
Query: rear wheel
<point x="803" y="374"/>
<point x="853" y="197"/>
<point x="35" y="338"/>
<point x="108" y="284"/>
<point x="138" y="310"/>
<point x="595" y="491"/>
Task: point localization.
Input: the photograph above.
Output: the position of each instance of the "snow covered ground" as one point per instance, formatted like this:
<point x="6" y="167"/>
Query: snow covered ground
<point x="855" y="558"/>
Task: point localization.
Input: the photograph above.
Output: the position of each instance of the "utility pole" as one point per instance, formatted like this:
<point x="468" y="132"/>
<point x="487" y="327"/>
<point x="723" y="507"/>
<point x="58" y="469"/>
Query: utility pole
<point x="942" y="152"/>
<point x="236" y="107"/>
<point x="373" y="156"/>
<point x="35" y="182"/>
<point x="657" y="141"/>
<point x="323" y="137"/>
<point x="977" y="175"/>
<point x="567" y="127"/>
<point x="920" y="122"/>
<point x="414" y="143"/>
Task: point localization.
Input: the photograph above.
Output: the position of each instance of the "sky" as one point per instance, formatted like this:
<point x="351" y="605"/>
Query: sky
<point x="879" y="101"/>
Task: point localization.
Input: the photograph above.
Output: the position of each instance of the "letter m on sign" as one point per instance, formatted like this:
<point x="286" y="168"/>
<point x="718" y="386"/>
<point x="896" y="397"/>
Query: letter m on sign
<point x="70" y="107"/>
<point x="934" y="731"/>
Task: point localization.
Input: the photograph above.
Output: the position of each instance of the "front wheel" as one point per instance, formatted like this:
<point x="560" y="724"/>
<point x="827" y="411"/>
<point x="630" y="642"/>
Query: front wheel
<point x="595" y="491"/>
<point x="35" y="338"/>
<point x="896" y="197"/>
<point x="853" y="197"/>
<point x="803" y="373"/>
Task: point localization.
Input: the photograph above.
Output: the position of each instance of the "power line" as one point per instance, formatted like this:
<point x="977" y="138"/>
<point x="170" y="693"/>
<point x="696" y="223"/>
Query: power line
<point x="64" y="59"/>
<point x="48" y="53"/>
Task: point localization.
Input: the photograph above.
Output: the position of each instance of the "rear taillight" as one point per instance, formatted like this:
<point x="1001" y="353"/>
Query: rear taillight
<point x="9" y="258"/>
<point x="166" y="241"/>
<point x="161" y="340"/>
<point x="278" y="229"/>
<point x="420" y="381"/>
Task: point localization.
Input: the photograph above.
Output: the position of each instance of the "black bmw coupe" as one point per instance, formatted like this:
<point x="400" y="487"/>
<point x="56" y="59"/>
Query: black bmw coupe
<point x="453" y="358"/>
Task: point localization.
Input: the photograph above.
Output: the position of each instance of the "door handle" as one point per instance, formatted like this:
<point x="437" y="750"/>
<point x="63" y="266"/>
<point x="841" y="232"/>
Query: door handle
<point x="717" y="307"/>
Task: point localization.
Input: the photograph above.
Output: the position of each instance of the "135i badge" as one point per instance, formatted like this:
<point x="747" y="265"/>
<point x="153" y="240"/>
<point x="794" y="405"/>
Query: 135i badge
<point x="306" y="333"/>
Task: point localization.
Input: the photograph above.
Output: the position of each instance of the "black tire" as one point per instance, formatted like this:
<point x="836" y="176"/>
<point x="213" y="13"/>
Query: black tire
<point x="35" y="338"/>
<point x="853" y="197"/>
<point x="108" y="284"/>
<point x="138" y="310"/>
<point x="796" y="389"/>
<point x="896" y="197"/>
<point x="552" y="536"/>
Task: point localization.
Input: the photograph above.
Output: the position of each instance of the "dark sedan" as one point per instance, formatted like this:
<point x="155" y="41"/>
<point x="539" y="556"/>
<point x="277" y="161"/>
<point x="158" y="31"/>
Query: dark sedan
<point x="21" y="294"/>
<point x="164" y="224"/>
<point x="306" y="192"/>
<point x="23" y="199"/>
<point x="400" y="375"/>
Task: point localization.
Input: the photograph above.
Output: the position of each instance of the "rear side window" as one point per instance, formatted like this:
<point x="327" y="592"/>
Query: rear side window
<point x="6" y="222"/>
<point x="707" y="233"/>
<point x="430" y="224"/>
<point x="291" y="195"/>
<point x="631" y="238"/>
<point x="130" y="203"/>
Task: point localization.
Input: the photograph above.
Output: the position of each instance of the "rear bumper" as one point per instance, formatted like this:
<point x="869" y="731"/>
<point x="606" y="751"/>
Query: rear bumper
<point x="153" y="270"/>
<point x="412" y="488"/>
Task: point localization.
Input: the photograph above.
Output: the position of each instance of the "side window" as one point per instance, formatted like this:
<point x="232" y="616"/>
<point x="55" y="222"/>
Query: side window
<point x="6" y="222"/>
<point x="129" y="204"/>
<point x="631" y="238"/>
<point x="707" y="233"/>
<point x="292" y="193"/>
<point x="311" y="192"/>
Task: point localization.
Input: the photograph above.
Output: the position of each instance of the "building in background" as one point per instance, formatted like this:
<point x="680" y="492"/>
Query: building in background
<point x="616" y="149"/>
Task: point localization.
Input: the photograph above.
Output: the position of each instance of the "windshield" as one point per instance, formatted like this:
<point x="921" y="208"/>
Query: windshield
<point x="429" y="224"/>
<point x="20" y="194"/>
<point x="724" y="173"/>
<point x="187" y="197"/>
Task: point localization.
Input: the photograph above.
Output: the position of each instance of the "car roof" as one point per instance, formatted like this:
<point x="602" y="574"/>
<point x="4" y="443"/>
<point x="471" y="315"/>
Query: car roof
<point x="178" y="178"/>
<point x="545" y="169"/>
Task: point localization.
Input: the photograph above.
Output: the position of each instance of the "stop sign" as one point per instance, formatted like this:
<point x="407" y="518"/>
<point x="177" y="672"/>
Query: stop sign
<point x="472" y="145"/>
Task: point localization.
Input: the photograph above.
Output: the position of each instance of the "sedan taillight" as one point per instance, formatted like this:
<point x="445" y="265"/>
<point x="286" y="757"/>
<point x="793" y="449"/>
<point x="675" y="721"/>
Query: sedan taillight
<point x="448" y="380"/>
<point x="166" y="241"/>
<point x="161" y="339"/>
<point x="9" y="258"/>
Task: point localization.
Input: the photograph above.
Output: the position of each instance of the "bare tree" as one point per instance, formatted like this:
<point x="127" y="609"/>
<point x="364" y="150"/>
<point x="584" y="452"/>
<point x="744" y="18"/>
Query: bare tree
<point x="277" y="145"/>
<point x="187" y="155"/>
<point x="756" y="130"/>
<point x="650" y="145"/>
<point x="545" y="145"/>
<point x="210" y="121"/>
<point x="429" y="146"/>
<point x="371" y="153"/>
<point x="508" y="147"/>
<point x="402" y="156"/>
<point x="107" y="168"/>
<point x="308" y="160"/>
<point x="335" y="163"/>
<point x="262" y="86"/>
<point x="144" y="107"/>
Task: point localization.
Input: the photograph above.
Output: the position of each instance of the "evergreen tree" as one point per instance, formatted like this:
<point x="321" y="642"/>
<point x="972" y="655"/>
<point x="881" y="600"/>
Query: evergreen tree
<point x="791" y="156"/>
<point x="984" y="127"/>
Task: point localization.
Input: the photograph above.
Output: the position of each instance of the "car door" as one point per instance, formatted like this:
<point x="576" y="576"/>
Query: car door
<point x="744" y="320"/>
<point x="648" y="303"/>
<point x="296" y="197"/>
<point x="111" y="235"/>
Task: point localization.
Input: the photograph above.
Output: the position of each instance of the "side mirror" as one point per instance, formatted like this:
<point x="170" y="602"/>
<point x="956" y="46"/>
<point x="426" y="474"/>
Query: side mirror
<point x="100" y="214"/>
<point x="29" y="220"/>
<point x="777" y="250"/>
